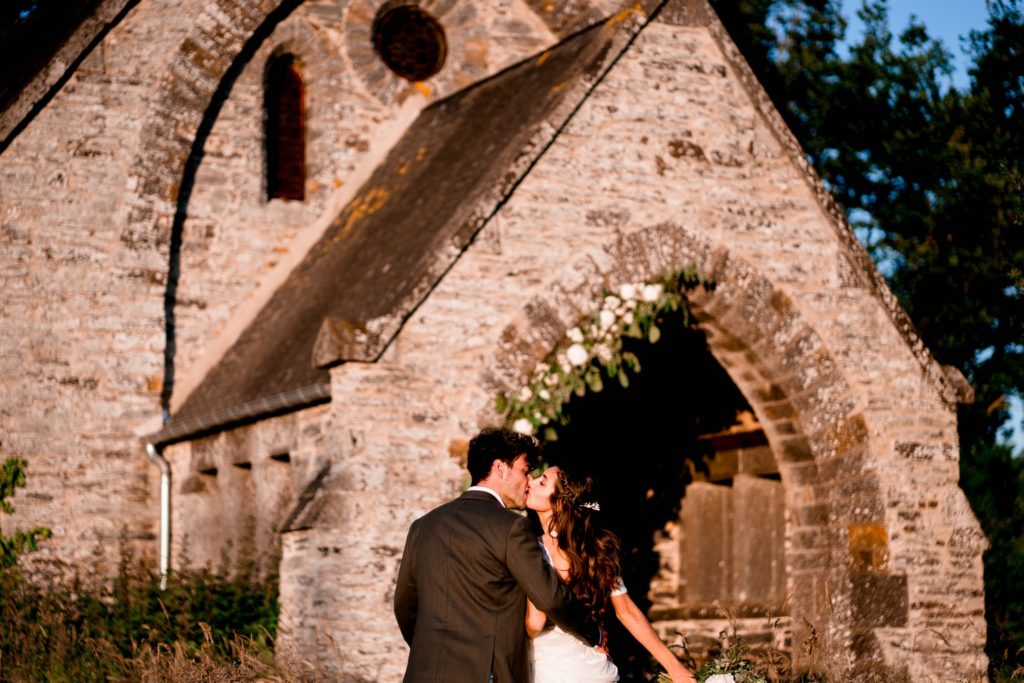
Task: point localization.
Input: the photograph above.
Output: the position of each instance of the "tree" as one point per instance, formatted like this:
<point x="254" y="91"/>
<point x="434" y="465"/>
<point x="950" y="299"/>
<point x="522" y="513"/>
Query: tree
<point x="931" y="179"/>
<point x="12" y="476"/>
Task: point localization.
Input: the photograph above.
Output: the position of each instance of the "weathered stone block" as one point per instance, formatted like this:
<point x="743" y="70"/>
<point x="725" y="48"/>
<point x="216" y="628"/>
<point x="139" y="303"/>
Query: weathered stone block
<point x="878" y="599"/>
<point x="869" y="546"/>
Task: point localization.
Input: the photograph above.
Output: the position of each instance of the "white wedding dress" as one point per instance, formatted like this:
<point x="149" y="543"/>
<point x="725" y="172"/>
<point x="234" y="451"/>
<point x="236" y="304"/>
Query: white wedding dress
<point x="560" y="657"/>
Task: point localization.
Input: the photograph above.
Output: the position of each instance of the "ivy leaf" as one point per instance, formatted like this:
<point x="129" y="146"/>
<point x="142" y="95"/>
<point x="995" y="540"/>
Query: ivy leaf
<point x="624" y="379"/>
<point x="653" y="334"/>
<point x="500" y="404"/>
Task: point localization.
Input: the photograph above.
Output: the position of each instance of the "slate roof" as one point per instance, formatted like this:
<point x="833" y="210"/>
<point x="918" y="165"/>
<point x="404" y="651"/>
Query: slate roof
<point x="380" y="257"/>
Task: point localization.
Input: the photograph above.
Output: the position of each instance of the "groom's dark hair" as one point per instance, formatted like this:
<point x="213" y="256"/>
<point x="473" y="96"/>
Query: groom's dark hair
<point x="499" y="443"/>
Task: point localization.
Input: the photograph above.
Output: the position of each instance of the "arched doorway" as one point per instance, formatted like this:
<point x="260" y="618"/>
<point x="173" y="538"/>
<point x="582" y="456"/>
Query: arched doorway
<point x="825" y="489"/>
<point x="690" y="485"/>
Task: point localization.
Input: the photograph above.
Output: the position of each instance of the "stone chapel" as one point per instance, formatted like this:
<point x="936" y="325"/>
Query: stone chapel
<point x="292" y="251"/>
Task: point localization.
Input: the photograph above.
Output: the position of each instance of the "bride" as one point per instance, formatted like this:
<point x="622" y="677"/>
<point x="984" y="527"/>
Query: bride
<point x="586" y="556"/>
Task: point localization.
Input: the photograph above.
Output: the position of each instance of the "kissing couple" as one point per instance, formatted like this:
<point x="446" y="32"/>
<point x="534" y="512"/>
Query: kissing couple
<point x="482" y="596"/>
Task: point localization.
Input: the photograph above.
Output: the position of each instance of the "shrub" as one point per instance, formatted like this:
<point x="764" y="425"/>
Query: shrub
<point x="202" y="627"/>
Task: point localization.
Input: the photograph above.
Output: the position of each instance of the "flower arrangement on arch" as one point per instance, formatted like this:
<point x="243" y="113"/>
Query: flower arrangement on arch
<point x="593" y="351"/>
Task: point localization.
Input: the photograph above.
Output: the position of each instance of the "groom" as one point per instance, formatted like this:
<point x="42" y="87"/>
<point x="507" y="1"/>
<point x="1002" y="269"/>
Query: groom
<point x="468" y="568"/>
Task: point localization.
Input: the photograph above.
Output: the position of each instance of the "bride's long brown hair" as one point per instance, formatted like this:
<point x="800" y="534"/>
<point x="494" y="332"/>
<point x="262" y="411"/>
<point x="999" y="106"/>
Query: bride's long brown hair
<point x="592" y="550"/>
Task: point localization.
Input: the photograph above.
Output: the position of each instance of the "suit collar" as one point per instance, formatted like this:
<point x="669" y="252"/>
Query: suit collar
<point x="484" y="493"/>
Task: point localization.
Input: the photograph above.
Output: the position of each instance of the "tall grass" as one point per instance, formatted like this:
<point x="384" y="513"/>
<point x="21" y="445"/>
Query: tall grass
<point x="203" y="627"/>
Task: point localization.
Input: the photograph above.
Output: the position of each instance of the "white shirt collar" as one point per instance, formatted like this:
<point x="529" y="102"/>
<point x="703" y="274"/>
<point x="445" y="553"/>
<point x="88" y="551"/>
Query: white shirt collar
<point x="490" y="491"/>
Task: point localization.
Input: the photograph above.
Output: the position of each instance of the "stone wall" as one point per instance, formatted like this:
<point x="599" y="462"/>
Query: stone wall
<point x="236" y="491"/>
<point x="82" y="318"/>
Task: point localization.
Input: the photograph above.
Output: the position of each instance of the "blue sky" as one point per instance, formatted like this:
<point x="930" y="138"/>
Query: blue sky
<point x="947" y="20"/>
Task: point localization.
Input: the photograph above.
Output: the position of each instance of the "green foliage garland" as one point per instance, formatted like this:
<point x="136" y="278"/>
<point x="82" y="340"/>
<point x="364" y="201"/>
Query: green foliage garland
<point x="593" y="351"/>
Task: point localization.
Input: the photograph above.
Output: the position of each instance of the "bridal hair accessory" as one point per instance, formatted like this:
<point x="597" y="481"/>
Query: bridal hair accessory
<point x="591" y="506"/>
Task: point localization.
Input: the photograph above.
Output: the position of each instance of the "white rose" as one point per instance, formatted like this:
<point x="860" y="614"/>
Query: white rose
<point x="544" y="394"/>
<point x="525" y="394"/>
<point x="603" y="352"/>
<point x="577" y="355"/>
<point x="628" y="318"/>
<point x="523" y="426"/>
<point x="575" y="335"/>
<point x="607" y="318"/>
<point x="612" y="302"/>
<point x="627" y="291"/>
<point x="720" y="678"/>
<point x="652" y="292"/>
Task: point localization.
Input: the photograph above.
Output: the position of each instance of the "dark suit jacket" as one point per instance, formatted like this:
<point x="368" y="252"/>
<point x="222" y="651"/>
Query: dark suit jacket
<point x="461" y="594"/>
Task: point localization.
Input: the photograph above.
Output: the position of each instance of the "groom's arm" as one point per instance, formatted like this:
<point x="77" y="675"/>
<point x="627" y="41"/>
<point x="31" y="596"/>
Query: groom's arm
<point x="406" y="591"/>
<point x="543" y="587"/>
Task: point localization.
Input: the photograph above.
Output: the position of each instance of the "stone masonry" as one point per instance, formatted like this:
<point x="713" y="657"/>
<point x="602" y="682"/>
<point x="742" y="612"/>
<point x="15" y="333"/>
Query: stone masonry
<point x="666" y="156"/>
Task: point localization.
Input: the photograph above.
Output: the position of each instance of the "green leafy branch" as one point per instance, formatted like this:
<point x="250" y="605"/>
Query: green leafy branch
<point x="593" y="351"/>
<point x="12" y="476"/>
<point x="733" y="661"/>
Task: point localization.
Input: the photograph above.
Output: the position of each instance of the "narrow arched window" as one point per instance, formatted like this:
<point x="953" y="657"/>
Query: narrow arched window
<point x="285" y="133"/>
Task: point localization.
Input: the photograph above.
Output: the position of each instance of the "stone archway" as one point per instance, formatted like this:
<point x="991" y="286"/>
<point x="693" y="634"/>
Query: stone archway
<point x="841" y="590"/>
<point x="195" y="73"/>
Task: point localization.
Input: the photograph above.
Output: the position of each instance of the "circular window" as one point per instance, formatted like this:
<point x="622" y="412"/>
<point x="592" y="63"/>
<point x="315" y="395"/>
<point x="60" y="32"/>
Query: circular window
<point x="410" y="41"/>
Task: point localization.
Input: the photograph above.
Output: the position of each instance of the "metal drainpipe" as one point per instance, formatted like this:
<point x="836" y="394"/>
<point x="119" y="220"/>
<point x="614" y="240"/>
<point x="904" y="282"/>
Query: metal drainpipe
<point x="165" y="511"/>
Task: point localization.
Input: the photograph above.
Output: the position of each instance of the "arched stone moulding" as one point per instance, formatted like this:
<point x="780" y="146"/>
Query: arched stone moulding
<point x="835" y="509"/>
<point x="193" y="75"/>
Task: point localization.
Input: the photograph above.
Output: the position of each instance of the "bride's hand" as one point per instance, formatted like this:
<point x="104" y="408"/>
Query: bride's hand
<point x="535" y="619"/>
<point x="603" y="647"/>
<point x="683" y="676"/>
